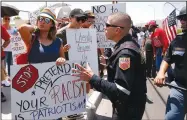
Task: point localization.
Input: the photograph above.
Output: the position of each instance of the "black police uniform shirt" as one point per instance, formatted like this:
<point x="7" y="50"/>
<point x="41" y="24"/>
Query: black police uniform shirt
<point x="124" y="71"/>
<point x="176" y="54"/>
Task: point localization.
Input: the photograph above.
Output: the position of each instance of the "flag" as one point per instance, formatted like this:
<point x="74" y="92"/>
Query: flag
<point x="170" y="26"/>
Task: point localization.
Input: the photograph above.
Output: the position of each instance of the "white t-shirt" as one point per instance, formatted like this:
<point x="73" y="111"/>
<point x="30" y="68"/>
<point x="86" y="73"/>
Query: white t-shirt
<point x="11" y="31"/>
<point x="140" y="37"/>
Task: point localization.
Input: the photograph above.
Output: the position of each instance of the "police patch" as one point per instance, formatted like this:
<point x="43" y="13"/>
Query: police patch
<point x="124" y="63"/>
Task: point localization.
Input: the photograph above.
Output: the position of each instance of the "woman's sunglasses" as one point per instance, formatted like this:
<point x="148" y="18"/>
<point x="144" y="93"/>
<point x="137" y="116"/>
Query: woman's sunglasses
<point x="47" y="20"/>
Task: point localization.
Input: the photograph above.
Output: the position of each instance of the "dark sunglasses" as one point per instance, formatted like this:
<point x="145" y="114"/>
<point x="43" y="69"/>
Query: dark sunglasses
<point x="47" y="20"/>
<point x="7" y="18"/>
<point x="108" y="25"/>
<point x="83" y="19"/>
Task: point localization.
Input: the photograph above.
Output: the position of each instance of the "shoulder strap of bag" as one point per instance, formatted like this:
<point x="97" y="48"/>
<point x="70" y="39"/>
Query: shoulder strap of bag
<point x="32" y="42"/>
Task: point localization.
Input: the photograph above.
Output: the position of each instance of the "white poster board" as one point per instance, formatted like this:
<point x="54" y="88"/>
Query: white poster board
<point x="83" y="44"/>
<point x="102" y="12"/>
<point x="46" y="91"/>
<point x="17" y="46"/>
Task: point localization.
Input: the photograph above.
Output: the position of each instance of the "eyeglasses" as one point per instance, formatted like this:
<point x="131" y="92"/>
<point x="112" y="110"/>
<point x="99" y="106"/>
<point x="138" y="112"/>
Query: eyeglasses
<point x="7" y="18"/>
<point x="47" y="20"/>
<point x="108" y="25"/>
<point x="83" y="19"/>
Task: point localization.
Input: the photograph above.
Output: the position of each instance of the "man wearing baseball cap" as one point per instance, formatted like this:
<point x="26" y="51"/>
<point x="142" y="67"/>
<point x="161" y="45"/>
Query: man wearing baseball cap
<point x="159" y="42"/>
<point x="77" y="18"/>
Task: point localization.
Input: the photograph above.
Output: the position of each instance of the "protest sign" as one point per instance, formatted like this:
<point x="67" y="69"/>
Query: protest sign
<point x="46" y="91"/>
<point x="101" y="13"/>
<point x="17" y="46"/>
<point x="83" y="44"/>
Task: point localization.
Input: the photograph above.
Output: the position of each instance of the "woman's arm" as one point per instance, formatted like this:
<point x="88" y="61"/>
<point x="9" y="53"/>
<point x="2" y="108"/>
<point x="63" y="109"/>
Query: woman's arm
<point x="26" y="33"/>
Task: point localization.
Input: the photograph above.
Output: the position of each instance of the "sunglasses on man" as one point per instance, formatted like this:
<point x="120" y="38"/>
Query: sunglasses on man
<point x="109" y="25"/>
<point x="83" y="19"/>
<point x="46" y="20"/>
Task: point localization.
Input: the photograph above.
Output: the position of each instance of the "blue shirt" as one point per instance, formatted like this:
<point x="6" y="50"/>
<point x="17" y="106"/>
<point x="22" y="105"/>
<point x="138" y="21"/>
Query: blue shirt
<point x="40" y="53"/>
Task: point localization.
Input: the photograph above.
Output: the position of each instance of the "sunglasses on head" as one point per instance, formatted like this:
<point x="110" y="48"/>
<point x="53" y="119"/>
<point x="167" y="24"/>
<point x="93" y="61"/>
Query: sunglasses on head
<point x="109" y="25"/>
<point x="7" y="18"/>
<point x="47" y="20"/>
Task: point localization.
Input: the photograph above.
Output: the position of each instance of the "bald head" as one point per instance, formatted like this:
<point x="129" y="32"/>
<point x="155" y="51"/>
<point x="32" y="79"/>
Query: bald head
<point x="120" y="19"/>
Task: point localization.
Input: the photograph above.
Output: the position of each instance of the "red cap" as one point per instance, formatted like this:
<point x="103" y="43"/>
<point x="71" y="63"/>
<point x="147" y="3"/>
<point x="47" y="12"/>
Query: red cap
<point x="152" y="22"/>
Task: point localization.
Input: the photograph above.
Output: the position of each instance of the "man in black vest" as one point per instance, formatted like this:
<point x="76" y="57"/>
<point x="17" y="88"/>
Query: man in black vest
<point x="126" y="81"/>
<point x="177" y="53"/>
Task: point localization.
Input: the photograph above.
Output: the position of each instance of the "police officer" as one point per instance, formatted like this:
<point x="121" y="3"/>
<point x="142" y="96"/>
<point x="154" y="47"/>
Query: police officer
<point x="126" y="73"/>
<point x="176" y="53"/>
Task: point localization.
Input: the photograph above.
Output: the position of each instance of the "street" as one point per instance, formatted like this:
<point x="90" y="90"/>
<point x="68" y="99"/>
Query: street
<point x="153" y="110"/>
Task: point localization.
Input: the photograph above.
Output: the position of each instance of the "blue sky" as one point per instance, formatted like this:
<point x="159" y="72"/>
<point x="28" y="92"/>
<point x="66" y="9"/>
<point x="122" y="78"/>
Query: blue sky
<point x="140" y="12"/>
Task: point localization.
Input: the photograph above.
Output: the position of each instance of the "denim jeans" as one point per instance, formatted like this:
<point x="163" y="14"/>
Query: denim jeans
<point x="176" y="104"/>
<point x="158" y="58"/>
<point x="8" y="60"/>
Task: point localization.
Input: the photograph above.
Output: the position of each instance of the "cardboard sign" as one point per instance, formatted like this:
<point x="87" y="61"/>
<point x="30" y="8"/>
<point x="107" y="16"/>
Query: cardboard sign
<point x="46" y="91"/>
<point x="83" y="44"/>
<point x="102" y="12"/>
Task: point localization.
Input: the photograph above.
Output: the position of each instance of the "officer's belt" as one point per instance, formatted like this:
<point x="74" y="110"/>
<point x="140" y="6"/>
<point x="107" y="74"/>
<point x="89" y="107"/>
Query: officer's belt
<point x="123" y="89"/>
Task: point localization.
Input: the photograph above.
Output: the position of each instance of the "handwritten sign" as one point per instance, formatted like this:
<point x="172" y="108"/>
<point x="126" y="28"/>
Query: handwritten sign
<point x="17" y="46"/>
<point x="83" y="44"/>
<point x="46" y="91"/>
<point x="102" y="12"/>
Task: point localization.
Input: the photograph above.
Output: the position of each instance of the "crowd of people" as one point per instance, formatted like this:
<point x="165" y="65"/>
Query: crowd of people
<point x="138" y="53"/>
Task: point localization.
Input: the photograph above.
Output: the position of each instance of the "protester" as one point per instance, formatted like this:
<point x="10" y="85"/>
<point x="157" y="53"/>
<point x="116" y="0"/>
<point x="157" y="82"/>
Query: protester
<point x="77" y="18"/>
<point x="89" y="24"/>
<point x="150" y="64"/>
<point x="90" y="19"/>
<point x="6" y="37"/>
<point x="62" y="16"/>
<point x="45" y="46"/>
<point x="176" y="107"/>
<point x="141" y="36"/>
<point x="8" y="52"/>
<point x="126" y="73"/>
<point x="159" y="42"/>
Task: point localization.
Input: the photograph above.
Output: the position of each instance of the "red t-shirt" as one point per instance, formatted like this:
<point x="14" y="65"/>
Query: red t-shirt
<point x="159" y="39"/>
<point x="5" y="36"/>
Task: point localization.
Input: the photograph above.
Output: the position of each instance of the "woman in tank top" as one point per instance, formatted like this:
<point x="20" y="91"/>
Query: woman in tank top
<point x="45" y="46"/>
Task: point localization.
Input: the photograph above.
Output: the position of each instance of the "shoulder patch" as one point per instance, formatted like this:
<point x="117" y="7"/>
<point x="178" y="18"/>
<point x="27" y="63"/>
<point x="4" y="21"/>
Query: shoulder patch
<point x="124" y="63"/>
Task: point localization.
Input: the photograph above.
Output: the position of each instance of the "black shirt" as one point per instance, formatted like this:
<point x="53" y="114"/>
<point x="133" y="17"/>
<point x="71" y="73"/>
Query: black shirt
<point x="176" y="54"/>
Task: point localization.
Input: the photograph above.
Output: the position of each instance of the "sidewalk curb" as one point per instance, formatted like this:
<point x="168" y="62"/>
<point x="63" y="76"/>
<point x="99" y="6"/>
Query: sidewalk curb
<point x="95" y="99"/>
